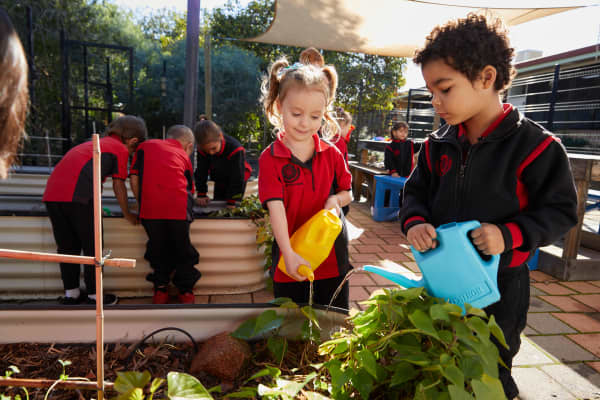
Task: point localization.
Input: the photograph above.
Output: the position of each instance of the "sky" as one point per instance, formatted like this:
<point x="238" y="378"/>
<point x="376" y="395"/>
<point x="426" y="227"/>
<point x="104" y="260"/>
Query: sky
<point x="553" y="34"/>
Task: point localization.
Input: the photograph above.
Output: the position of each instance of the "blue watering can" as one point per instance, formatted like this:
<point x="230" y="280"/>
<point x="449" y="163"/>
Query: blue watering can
<point x="454" y="270"/>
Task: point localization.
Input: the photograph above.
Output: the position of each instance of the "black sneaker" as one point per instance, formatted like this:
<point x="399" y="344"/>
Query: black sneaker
<point x="109" y="299"/>
<point x="73" y="301"/>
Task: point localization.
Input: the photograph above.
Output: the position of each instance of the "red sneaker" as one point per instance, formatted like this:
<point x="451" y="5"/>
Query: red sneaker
<point x="187" y="298"/>
<point x="160" y="297"/>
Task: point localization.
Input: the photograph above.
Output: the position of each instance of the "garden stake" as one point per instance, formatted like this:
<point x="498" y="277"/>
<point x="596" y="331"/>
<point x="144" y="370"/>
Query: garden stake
<point x="99" y="265"/>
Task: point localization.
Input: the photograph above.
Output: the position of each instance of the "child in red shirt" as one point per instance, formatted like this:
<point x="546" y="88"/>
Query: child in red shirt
<point x="68" y="199"/>
<point x="161" y="179"/>
<point x="301" y="174"/>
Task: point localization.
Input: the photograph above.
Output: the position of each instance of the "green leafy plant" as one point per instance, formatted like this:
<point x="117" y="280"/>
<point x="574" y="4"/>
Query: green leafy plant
<point x="408" y="345"/>
<point x="13" y="369"/>
<point x="250" y="207"/>
<point x="181" y="386"/>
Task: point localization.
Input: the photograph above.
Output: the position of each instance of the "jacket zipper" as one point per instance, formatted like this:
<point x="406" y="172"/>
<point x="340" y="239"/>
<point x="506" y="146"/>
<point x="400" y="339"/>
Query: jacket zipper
<point x="461" y="180"/>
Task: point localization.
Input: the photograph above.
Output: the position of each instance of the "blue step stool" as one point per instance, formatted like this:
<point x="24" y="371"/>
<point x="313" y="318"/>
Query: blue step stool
<point x="386" y="202"/>
<point x="533" y="263"/>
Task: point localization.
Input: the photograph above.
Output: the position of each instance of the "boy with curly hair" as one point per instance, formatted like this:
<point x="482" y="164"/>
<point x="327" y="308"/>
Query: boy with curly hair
<point x="488" y="163"/>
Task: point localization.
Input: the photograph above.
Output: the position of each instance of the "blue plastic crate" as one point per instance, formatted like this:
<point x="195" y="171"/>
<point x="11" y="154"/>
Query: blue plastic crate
<point x="533" y="263"/>
<point x="386" y="204"/>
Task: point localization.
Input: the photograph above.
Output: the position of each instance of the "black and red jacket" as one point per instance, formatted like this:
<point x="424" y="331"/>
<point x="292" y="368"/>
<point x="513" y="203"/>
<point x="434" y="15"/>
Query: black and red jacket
<point x="341" y="142"/>
<point x="228" y="167"/>
<point x="516" y="176"/>
<point x="399" y="156"/>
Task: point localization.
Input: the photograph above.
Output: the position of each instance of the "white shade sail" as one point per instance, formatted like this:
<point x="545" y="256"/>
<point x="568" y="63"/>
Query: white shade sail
<point x="387" y="27"/>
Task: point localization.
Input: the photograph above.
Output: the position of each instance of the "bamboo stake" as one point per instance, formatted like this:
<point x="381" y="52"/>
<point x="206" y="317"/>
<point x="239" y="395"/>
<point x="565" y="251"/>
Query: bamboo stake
<point x="44" y="383"/>
<point x="99" y="264"/>
<point x="51" y="257"/>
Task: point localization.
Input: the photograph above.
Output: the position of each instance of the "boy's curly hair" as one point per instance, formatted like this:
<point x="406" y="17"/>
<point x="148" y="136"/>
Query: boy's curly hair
<point x="468" y="45"/>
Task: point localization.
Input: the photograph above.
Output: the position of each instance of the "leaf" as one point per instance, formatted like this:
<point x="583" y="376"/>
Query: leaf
<point x="309" y="333"/>
<point x="272" y="371"/>
<point x="487" y="388"/>
<point x="438" y="312"/>
<point x="183" y="386"/>
<point x="244" y="393"/>
<point x="458" y="393"/>
<point x="281" y="300"/>
<point x="471" y="367"/>
<point x="363" y="382"/>
<point x="478" y="312"/>
<point x="132" y="394"/>
<point x="315" y="396"/>
<point x="65" y="363"/>
<point x="480" y="327"/>
<point x="283" y="386"/>
<point x="453" y="309"/>
<point x="446" y="336"/>
<point x="423" y="322"/>
<point x="156" y="383"/>
<point x="496" y="331"/>
<point x="339" y="378"/>
<point x="454" y="375"/>
<point x="368" y="362"/>
<point x="309" y="312"/>
<point x="246" y="330"/>
<point x="403" y="372"/>
<point x="126" y="381"/>
<point x="277" y="346"/>
<point x="266" y="322"/>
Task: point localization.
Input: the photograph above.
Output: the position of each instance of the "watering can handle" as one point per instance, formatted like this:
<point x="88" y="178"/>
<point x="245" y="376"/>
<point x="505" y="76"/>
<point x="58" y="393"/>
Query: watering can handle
<point x="394" y="277"/>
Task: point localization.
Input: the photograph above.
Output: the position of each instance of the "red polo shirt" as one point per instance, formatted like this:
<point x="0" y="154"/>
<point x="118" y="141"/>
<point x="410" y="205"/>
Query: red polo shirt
<point x="71" y="179"/>
<point x="303" y="188"/>
<point x="166" y="183"/>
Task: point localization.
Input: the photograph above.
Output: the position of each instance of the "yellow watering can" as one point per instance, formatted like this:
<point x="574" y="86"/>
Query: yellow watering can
<point x="313" y="241"/>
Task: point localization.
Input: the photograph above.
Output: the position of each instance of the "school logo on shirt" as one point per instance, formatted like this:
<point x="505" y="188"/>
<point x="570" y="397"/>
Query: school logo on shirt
<point x="396" y="152"/>
<point x="443" y="165"/>
<point x="290" y="173"/>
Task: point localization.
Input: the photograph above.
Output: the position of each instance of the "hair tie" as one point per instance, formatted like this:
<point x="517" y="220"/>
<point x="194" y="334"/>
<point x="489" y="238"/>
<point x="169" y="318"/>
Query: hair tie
<point x="292" y="67"/>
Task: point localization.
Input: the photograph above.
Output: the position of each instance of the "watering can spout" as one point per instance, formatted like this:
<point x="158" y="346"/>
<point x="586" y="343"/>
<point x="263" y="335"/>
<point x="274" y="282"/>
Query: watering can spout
<point x="394" y="277"/>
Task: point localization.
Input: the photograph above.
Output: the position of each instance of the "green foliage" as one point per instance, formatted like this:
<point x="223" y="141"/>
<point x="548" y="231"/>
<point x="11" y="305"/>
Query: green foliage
<point x="131" y="385"/>
<point x="13" y="369"/>
<point x="409" y="345"/>
<point x="251" y="207"/>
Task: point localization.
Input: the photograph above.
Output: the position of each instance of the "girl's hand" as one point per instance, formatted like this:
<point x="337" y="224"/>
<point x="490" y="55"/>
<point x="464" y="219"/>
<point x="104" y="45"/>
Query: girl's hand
<point x="292" y="262"/>
<point x="488" y="239"/>
<point x="422" y="237"/>
<point x="332" y="202"/>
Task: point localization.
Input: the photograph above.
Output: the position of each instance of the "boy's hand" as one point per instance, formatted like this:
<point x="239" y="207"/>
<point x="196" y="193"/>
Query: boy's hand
<point x="292" y="262"/>
<point x="488" y="239"/>
<point x="202" y="201"/>
<point x="422" y="237"/>
<point x="395" y="174"/>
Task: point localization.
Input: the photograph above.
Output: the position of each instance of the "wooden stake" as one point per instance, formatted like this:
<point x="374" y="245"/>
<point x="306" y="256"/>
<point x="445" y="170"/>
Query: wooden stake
<point x="98" y="259"/>
<point x="65" y="258"/>
<point x="44" y="383"/>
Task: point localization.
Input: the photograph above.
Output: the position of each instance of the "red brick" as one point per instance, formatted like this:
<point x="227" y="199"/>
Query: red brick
<point x="365" y="257"/>
<point x="553" y="288"/>
<point x="370" y="248"/>
<point x="582" y="287"/>
<point x="352" y="249"/>
<point x="361" y="279"/>
<point x="262" y="296"/>
<point x="371" y="240"/>
<point x="597" y="283"/>
<point x="358" y="293"/>
<point x="592" y="300"/>
<point x="396" y="257"/>
<point x="595" y="365"/>
<point x="583" y="322"/>
<point x="539" y="276"/>
<point x="393" y="248"/>
<point x="566" y="303"/>
<point x="396" y="240"/>
<point x="589" y="341"/>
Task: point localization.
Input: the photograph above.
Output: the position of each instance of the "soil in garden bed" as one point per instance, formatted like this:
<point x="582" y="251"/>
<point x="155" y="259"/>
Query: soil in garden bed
<point x="40" y="361"/>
